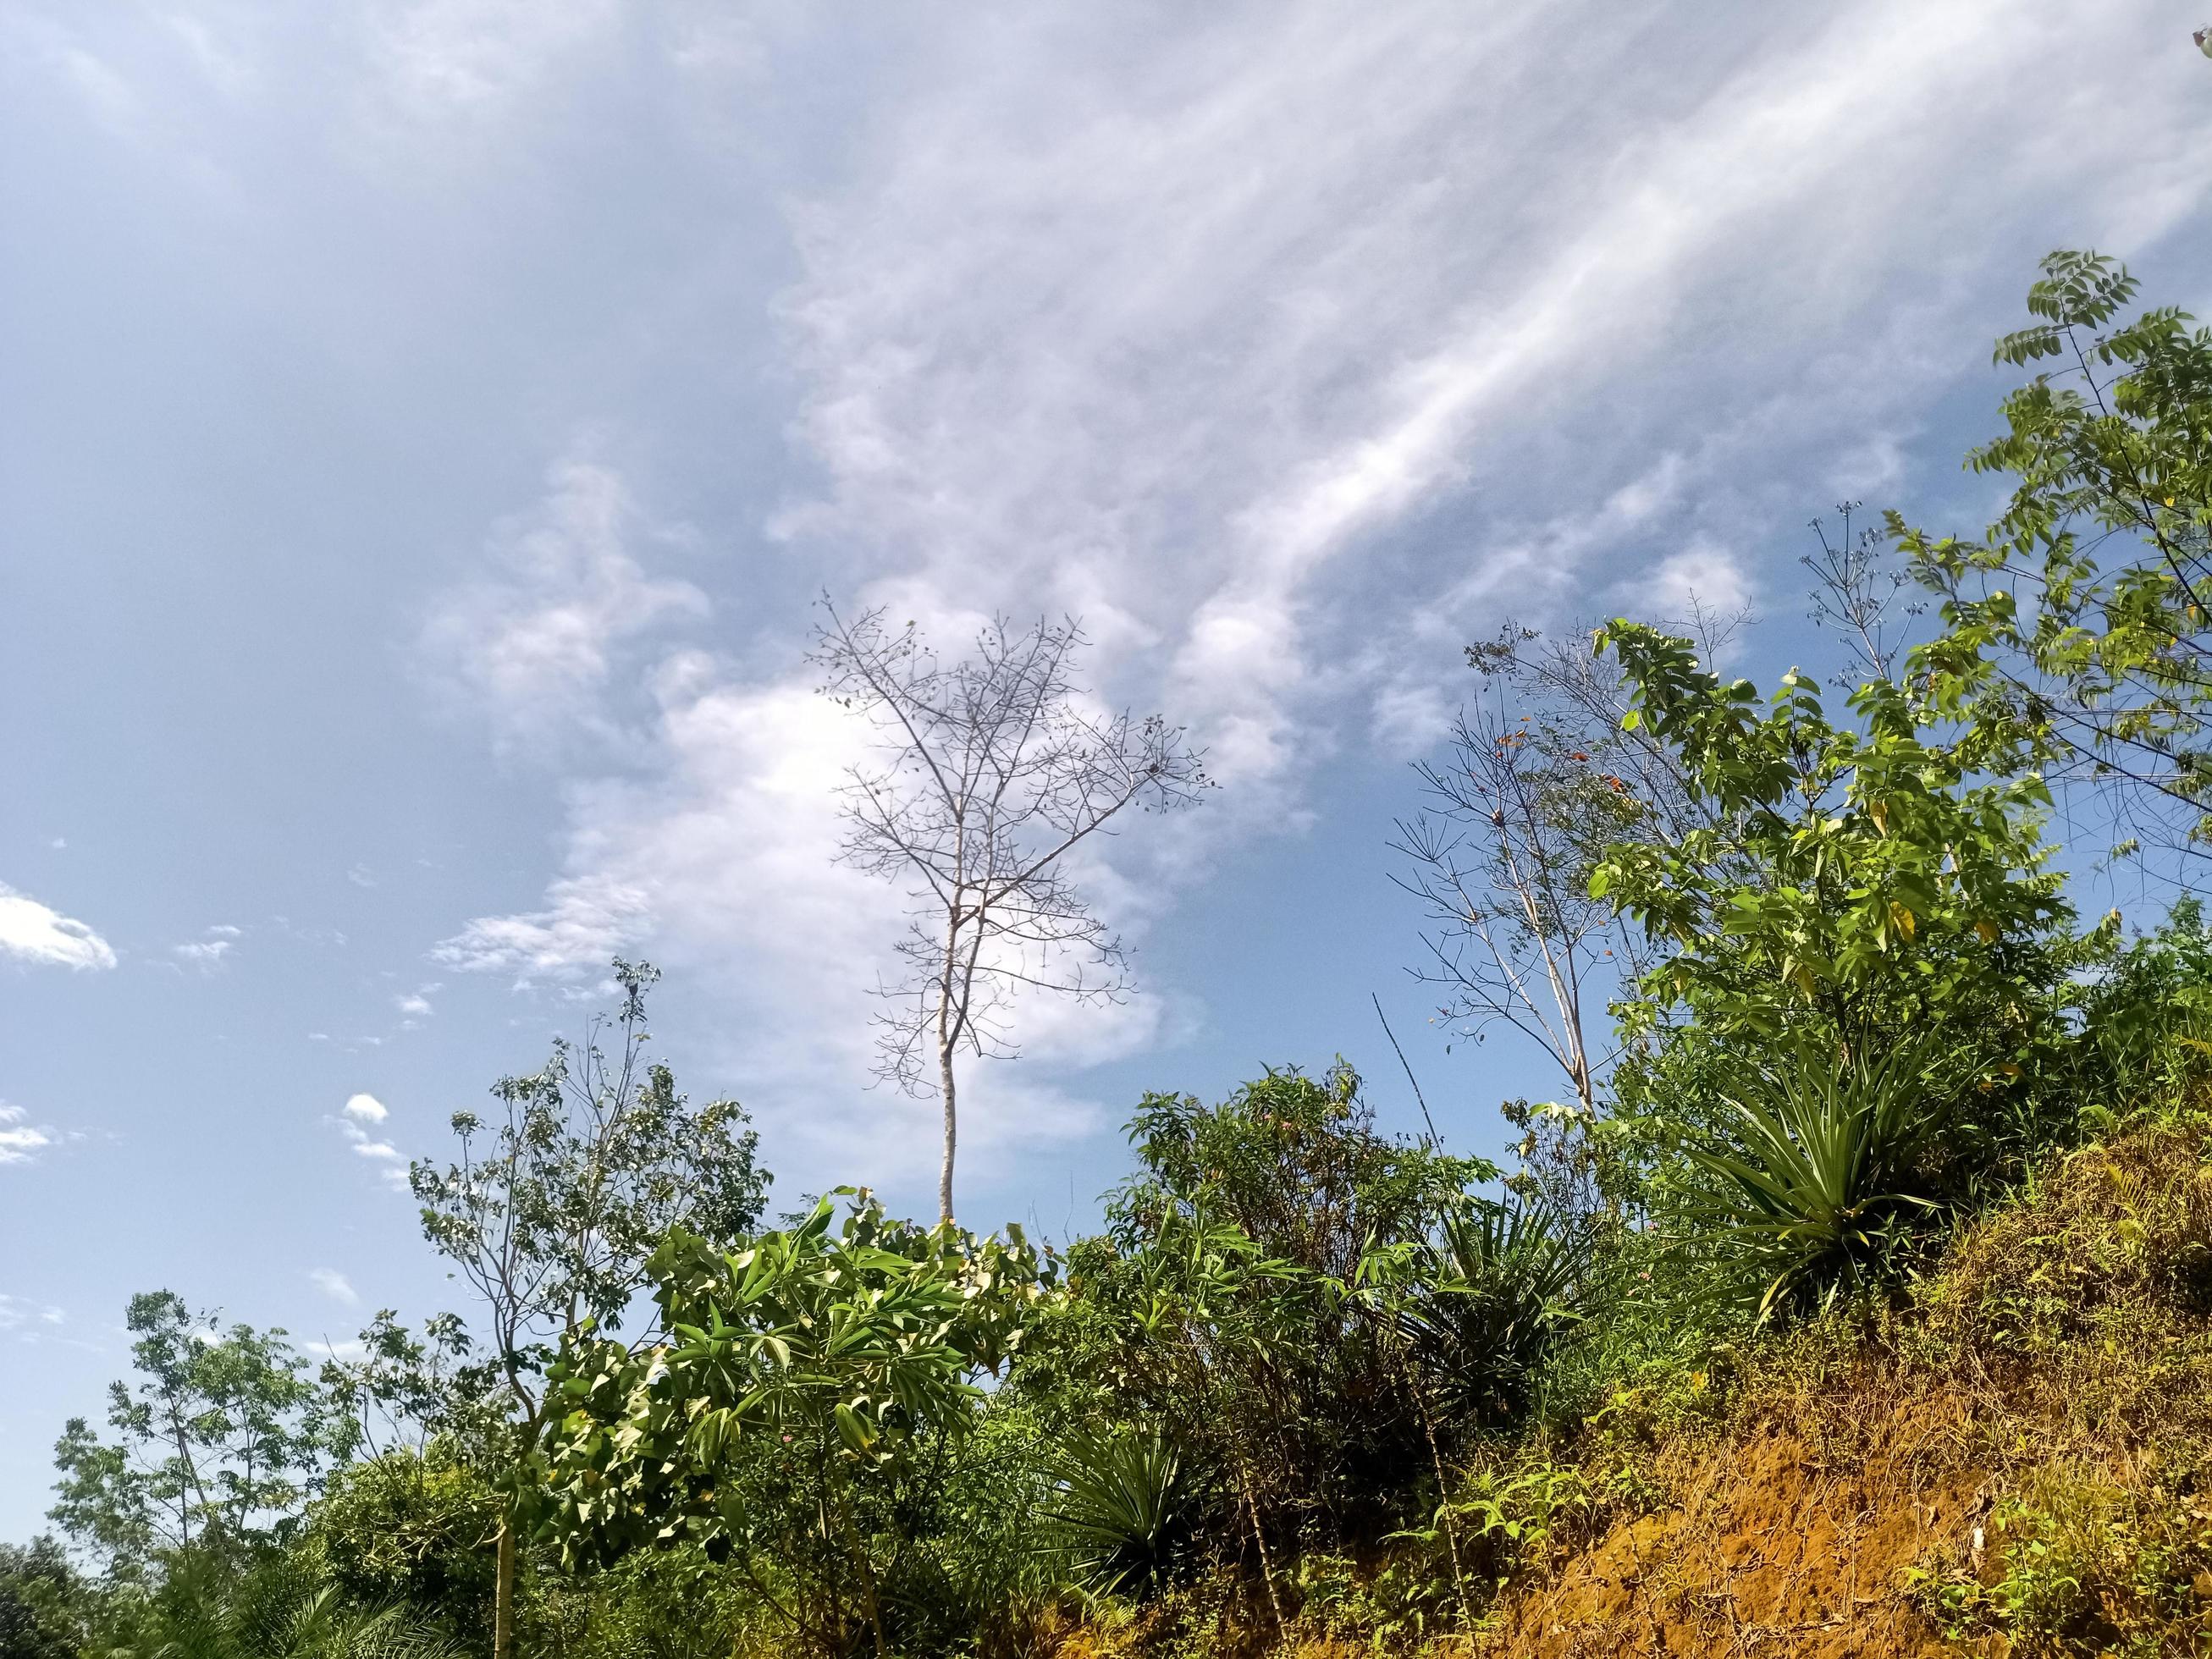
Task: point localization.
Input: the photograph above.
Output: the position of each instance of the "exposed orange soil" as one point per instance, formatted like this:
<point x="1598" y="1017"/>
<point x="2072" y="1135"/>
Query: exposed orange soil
<point x="1773" y="1551"/>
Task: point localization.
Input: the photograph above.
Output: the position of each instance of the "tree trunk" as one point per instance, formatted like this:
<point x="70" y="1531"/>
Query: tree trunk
<point x="502" y="1603"/>
<point x="945" y="1176"/>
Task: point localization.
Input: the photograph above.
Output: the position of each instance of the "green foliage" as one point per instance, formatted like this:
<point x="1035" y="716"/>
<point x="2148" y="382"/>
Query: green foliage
<point x="1821" y="1172"/>
<point x="594" y="1159"/>
<point x="206" y="1607"/>
<point x="2076" y="1566"/>
<point x="43" y="1602"/>
<point x="551" y="1220"/>
<point x="1320" y="1317"/>
<point x="1866" y="880"/>
<point x="218" y="1445"/>
<point x="1294" y="1162"/>
<point x="813" y="1386"/>
<point x="1126" y="1507"/>
<point x="2148" y="1018"/>
<point x="1495" y="1292"/>
<point x="1225" y="1298"/>
<point x="410" y="1528"/>
<point x="2074" y="627"/>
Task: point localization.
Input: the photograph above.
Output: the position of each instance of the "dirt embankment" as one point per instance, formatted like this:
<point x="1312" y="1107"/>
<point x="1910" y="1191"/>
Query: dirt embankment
<point x="2019" y="1464"/>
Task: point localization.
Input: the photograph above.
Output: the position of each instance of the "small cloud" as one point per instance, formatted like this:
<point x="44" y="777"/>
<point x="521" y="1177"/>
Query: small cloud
<point x="20" y="1141"/>
<point x="38" y="933"/>
<point x="360" y="1109"/>
<point x="366" y="1108"/>
<point x="20" y="1314"/>
<point x="206" y="953"/>
<point x="361" y="876"/>
<point x="332" y="1284"/>
<point x="59" y="843"/>
<point x="416" y="1003"/>
<point x="319" y="1036"/>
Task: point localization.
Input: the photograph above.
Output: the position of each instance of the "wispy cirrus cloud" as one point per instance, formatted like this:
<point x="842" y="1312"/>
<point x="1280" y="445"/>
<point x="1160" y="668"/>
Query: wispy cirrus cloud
<point x="536" y="642"/>
<point x="1291" y="348"/>
<point x="26" y="1317"/>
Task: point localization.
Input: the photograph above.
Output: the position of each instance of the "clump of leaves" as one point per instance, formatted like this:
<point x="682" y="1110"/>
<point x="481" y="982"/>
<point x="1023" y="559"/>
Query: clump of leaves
<point x="2076" y="1564"/>
<point x="1814" y="1174"/>
<point x="1125" y="1506"/>
<point x="798" y="1418"/>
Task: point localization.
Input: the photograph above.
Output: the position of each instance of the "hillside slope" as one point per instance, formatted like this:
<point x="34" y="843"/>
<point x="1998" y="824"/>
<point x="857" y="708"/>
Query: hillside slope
<point x="2020" y="1460"/>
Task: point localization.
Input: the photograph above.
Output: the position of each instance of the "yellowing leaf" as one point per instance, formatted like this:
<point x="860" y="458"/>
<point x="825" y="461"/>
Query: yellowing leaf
<point x="1902" y="919"/>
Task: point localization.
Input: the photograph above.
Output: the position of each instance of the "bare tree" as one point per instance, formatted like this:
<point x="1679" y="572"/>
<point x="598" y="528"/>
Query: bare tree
<point x="997" y="771"/>
<point x="1541" y="776"/>
<point x="1858" y="588"/>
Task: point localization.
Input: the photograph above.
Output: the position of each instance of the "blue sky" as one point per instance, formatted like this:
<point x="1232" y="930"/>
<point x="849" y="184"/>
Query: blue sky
<point x="425" y="425"/>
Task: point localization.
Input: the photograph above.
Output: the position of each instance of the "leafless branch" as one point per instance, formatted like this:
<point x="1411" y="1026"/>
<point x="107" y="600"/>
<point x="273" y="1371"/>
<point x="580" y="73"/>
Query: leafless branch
<point x="993" y="771"/>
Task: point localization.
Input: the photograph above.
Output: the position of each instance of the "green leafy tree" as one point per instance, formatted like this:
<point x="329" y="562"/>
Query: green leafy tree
<point x="1865" y="876"/>
<point x="1277" y="1293"/>
<point x="809" y="1391"/>
<point x="216" y="1447"/>
<point x="555" y="1206"/>
<point x="43" y="1602"/>
<point x="408" y="1528"/>
<point x="2076" y="627"/>
<point x="1860" y="884"/>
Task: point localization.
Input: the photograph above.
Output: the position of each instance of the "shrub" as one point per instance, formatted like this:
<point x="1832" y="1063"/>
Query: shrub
<point x="1818" y="1174"/>
<point x="1125" y="1506"/>
<point x="1272" y="1283"/>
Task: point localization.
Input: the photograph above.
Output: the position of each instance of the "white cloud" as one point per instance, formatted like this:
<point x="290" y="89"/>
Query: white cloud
<point x="537" y="646"/>
<point x="414" y="1003"/>
<point x="20" y="1141"/>
<point x="361" y="876"/>
<point x="27" y="1317"/>
<point x="37" y="933"/>
<point x="1293" y="347"/>
<point x="366" y="1108"/>
<point x="333" y="1284"/>
<point x="1703" y="574"/>
<point x="209" y="951"/>
<point x="361" y="1110"/>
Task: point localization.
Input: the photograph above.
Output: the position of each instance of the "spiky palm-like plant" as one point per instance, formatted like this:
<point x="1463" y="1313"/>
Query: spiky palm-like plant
<point x="1124" y="1508"/>
<point x="1811" y="1175"/>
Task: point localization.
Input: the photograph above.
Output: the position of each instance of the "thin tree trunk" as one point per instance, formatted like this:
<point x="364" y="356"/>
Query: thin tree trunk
<point x="944" y="1177"/>
<point x="948" y="1038"/>
<point x="503" y="1605"/>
